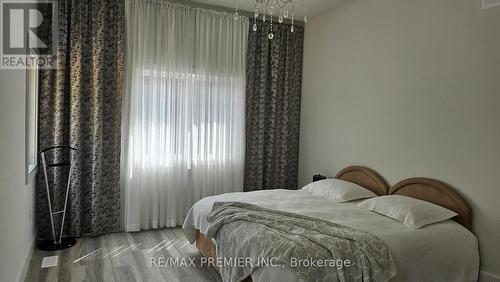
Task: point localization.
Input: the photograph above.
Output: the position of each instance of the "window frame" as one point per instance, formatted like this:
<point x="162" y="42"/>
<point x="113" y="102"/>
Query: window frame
<point x="31" y="117"/>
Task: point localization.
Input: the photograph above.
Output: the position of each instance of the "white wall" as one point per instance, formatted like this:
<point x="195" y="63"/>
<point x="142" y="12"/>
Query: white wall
<point x="409" y="88"/>
<point x="17" y="206"/>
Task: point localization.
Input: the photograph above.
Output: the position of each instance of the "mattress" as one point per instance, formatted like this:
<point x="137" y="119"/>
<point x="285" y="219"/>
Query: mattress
<point x="445" y="251"/>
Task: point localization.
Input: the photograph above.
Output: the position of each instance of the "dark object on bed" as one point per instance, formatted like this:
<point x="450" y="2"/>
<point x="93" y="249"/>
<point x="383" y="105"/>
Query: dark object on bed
<point x="318" y="177"/>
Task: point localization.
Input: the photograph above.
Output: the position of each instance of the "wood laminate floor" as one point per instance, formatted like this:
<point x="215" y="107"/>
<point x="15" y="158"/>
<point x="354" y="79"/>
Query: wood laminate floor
<point x="124" y="257"/>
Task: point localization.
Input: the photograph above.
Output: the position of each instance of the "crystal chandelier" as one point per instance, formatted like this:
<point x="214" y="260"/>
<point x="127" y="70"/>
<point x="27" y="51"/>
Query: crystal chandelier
<point x="268" y="10"/>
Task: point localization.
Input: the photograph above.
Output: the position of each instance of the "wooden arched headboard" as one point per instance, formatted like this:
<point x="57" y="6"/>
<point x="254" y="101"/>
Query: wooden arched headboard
<point x="436" y="192"/>
<point x="365" y="177"/>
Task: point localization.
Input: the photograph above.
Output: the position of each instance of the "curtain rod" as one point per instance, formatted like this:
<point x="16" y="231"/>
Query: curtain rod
<point x="249" y="15"/>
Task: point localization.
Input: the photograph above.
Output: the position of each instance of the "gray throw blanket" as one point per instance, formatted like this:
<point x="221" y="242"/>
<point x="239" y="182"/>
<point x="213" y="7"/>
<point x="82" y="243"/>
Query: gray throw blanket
<point x="269" y="238"/>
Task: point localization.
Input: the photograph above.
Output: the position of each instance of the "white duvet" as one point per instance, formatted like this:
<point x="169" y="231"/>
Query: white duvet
<point x="444" y="251"/>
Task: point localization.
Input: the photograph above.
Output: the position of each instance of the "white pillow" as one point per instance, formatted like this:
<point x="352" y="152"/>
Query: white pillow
<point x="339" y="190"/>
<point x="413" y="213"/>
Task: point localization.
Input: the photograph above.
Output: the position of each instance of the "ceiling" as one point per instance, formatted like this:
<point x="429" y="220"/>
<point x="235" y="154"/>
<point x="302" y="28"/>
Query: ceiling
<point x="315" y="7"/>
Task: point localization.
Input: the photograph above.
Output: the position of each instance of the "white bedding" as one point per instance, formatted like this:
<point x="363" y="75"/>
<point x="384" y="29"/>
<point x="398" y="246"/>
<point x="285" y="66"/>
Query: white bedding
<point x="444" y="251"/>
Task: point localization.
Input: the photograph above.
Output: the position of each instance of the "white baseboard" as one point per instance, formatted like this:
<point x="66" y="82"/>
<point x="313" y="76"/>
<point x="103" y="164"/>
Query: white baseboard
<point x="132" y="228"/>
<point x="488" y="277"/>
<point x="26" y="266"/>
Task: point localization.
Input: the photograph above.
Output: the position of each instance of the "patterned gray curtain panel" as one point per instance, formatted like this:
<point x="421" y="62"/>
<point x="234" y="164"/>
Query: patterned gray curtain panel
<point x="80" y="106"/>
<point x="274" y="75"/>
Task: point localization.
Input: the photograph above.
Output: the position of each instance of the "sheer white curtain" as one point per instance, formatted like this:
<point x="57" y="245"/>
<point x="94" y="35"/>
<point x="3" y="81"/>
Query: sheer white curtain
<point x="183" y="131"/>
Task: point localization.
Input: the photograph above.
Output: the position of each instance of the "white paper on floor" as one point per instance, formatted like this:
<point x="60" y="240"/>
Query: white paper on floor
<point x="49" y="261"/>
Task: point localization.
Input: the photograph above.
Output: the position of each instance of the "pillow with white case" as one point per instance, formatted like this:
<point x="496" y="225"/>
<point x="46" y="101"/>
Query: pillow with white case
<point x="339" y="190"/>
<point x="413" y="213"/>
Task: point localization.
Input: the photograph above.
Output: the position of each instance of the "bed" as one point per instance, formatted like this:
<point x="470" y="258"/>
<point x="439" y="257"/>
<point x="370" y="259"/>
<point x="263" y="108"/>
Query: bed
<point x="444" y="251"/>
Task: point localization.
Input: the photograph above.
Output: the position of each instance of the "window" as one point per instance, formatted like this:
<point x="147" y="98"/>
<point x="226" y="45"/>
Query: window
<point x="185" y="117"/>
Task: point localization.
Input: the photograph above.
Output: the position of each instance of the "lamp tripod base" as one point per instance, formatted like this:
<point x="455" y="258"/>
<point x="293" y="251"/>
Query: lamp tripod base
<point x="49" y="245"/>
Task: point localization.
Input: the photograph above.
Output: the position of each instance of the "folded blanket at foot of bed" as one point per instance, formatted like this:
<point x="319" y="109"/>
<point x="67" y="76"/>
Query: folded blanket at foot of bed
<point x="249" y="236"/>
